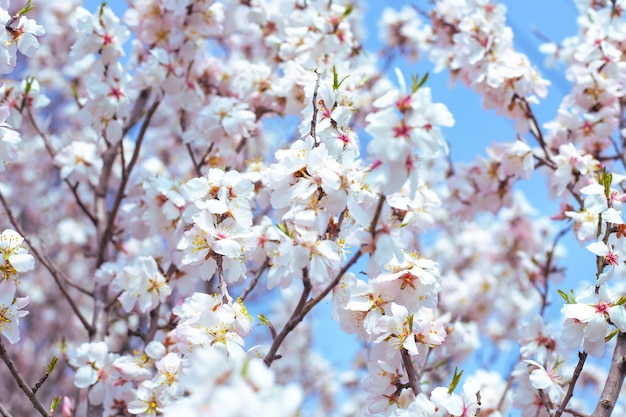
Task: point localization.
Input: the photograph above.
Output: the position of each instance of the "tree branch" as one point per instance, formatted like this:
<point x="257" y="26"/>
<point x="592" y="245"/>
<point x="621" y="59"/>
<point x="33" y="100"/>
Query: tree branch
<point x="255" y="280"/>
<point x="582" y="357"/>
<point x="108" y="231"/>
<point x="4" y="412"/>
<point x="21" y="382"/>
<point x="614" y="380"/>
<point x="296" y="317"/>
<point x="410" y="371"/>
<point x="56" y="273"/>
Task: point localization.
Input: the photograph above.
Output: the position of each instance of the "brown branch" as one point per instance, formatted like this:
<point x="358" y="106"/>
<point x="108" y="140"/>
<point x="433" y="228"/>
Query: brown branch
<point x="548" y="268"/>
<point x="582" y="357"/>
<point x="315" y="109"/>
<point x="4" y="412"/>
<point x="296" y="317"/>
<point x="56" y="273"/>
<point x="614" y="380"/>
<point x="108" y="231"/>
<point x="303" y="307"/>
<point x="576" y="413"/>
<point x="255" y="280"/>
<point x="154" y="325"/>
<point x="544" y="400"/>
<point x="410" y="371"/>
<point x="4" y="355"/>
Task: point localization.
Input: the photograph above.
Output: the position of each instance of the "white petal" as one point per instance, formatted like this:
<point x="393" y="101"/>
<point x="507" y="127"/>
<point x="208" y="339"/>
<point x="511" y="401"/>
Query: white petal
<point x="611" y="215"/>
<point x="598" y="248"/>
<point x="540" y="378"/>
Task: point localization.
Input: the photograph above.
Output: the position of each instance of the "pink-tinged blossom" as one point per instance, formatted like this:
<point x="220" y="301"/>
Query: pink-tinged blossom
<point x="11" y="309"/>
<point x="141" y="284"/>
<point x="95" y="369"/>
<point x="80" y="160"/>
<point x="587" y="320"/>
<point x="413" y="283"/>
<point x="100" y="33"/>
<point x="17" y="33"/>
<point x="547" y="379"/>
<point x="9" y="139"/>
<point x="206" y="321"/>
<point x="446" y="402"/>
<point x="613" y="253"/>
<point x="231" y="387"/>
<point x="596" y="202"/>
<point x="15" y="256"/>
<point x="147" y="401"/>
<point x="397" y="329"/>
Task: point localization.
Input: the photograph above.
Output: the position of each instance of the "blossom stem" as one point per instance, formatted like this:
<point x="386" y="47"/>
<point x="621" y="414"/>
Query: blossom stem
<point x="108" y="230"/>
<point x="4" y="412"/>
<point x="582" y="357"/>
<point x="255" y="280"/>
<point x="4" y="355"/>
<point x="294" y="320"/>
<point x="410" y="371"/>
<point x="614" y="380"/>
<point x="304" y="306"/>
<point x="315" y="109"/>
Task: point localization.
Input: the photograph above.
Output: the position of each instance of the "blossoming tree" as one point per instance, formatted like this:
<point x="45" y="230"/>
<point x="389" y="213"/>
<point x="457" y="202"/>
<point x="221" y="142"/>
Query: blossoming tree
<point x="168" y="172"/>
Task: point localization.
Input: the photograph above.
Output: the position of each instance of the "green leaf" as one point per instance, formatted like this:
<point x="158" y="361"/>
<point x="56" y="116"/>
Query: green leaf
<point x="282" y="228"/>
<point x="455" y="380"/>
<point x="611" y="335"/>
<point x="54" y="403"/>
<point x="244" y="368"/>
<point x="621" y="301"/>
<point x="564" y="296"/>
<point x="336" y="82"/>
<point x="101" y="11"/>
<point x="52" y="364"/>
<point x="608" y="179"/>
<point x="27" y="8"/>
<point x="417" y="83"/>
<point x="348" y="11"/>
<point x="264" y="320"/>
<point x="29" y="85"/>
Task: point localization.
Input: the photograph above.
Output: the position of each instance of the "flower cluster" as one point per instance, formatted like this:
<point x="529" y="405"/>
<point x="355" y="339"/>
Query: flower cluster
<point x="15" y="260"/>
<point x="208" y="158"/>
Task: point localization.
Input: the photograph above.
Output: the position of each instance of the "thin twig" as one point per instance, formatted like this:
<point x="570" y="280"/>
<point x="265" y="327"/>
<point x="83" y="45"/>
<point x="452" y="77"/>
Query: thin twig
<point x="108" y="231"/>
<point x="56" y="273"/>
<point x="548" y="268"/>
<point x="410" y="371"/>
<point x="582" y="356"/>
<point x="4" y="412"/>
<point x="315" y="109"/>
<point x="255" y="280"/>
<point x="4" y="355"/>
<point x="576" y="413"/>
<point x="544" y="400"/>
<point x="296" y="317"/>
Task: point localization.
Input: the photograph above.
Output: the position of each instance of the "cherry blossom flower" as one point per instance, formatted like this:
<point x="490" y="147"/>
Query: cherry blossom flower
<point x="11" y="309"/>
<point x="587" y="320"/>
<point x="17" y="33"/>
<point x="95" y="369"/>
<point x="15" y="256"/>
